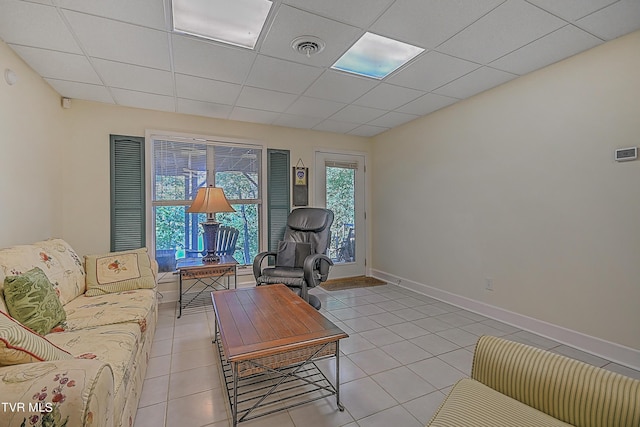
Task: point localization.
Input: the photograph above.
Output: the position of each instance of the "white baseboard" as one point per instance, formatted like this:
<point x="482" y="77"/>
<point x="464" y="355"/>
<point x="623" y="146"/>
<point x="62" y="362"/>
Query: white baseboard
<point x="611" y="351"/>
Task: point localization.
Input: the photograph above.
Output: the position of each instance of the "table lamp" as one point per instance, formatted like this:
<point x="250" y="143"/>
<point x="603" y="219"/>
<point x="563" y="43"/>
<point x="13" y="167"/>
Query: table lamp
<point x="210" y="200"/>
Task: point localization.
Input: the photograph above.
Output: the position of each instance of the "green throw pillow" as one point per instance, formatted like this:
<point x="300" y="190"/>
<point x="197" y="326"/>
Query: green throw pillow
<point x="32" y="301"/>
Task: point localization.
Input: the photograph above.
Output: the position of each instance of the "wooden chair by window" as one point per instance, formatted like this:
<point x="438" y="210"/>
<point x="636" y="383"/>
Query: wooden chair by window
<point x="227" y="239"/>
<point x="225" y="243"/>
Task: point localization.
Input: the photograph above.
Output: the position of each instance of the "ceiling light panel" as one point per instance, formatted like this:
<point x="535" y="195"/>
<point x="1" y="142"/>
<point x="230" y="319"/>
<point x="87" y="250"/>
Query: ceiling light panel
<point x="236" y="22"/>
<point x="376" y="56"/>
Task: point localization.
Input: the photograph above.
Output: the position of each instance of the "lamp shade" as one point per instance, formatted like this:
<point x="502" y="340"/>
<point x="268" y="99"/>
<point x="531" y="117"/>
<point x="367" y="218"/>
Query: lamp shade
<point x="210" y="200"/>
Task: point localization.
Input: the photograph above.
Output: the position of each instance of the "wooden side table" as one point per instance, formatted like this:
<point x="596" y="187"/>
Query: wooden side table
<point x="203" y="277"/>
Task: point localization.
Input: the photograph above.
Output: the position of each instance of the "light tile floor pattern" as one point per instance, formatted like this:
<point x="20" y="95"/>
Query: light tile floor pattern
<point x="403" y="354"/>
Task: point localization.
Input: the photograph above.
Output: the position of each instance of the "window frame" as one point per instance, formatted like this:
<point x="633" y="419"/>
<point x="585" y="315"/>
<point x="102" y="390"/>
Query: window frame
<point x="151" y="135"/>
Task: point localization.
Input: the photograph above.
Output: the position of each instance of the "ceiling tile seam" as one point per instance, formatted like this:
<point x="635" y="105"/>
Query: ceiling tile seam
<point x="377" y="18"/>
<point x="120" y="21"/>
<point x="299" y="96"/>
<point x="573" y="21"/>
<point x="577" y="25"/>
<point x="168" y="25"/>
<point x="354" y="39"/>
<point x="268" y="24"/>
<point x="364" y="28"/>
<point x="568" y="24"/>
<point x="548" y="11"/>
<point x="467" y="26"/>
<point x="84" y="51"/>
<point x="173" y="73"/>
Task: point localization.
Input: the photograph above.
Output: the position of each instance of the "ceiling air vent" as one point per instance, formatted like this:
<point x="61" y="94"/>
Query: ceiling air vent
<point x="308" y="45"/>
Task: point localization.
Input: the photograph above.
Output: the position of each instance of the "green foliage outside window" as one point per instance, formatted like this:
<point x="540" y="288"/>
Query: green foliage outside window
<point x="340" y="199"/>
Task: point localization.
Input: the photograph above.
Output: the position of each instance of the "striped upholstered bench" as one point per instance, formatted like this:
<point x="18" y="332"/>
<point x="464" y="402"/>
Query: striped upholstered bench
<point x="513" y="384"/>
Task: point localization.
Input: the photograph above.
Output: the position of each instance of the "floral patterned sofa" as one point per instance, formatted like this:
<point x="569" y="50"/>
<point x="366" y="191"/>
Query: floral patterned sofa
<point x="88" y="370"/>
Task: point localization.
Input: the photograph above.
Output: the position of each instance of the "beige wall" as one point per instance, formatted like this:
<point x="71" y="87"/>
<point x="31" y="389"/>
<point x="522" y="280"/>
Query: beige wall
<point x="32" y="129"/>
<point x="86" y="179"/>
<point x="519" y="185"/>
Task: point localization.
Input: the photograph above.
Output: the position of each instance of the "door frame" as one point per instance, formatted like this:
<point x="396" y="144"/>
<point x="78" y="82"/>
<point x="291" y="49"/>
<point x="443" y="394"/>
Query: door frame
<point x="360" y="267"/>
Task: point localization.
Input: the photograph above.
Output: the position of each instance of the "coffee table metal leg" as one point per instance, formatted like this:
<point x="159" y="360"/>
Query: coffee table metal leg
<point x="180" y="300"/>
<point x="234" y="410"/>
<point x="340" y="405"/>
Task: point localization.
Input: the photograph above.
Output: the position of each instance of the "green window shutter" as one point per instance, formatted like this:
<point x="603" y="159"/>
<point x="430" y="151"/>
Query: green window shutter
<point x="127" y="193"/>
<point x="278" y="203"/>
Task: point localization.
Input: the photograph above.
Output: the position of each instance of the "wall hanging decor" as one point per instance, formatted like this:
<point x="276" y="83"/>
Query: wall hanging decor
<point x="300" y="184"/>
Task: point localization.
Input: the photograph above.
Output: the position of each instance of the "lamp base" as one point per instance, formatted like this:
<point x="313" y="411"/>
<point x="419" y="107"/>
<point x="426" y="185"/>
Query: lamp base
<point x="210" y="229"/>
<point x="210" y="258"/>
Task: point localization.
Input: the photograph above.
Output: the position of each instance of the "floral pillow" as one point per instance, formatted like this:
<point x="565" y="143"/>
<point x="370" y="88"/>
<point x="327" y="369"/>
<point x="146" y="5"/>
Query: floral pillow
<point x="118" y="271"/>
<point x="32" y="301"/>
<point x="19" y="344"/>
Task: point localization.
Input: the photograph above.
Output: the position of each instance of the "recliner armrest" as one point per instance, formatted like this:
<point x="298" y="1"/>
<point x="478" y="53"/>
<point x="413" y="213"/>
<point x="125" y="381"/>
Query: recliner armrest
<point x="316" y="262"/>
<point x="257" y="262"/>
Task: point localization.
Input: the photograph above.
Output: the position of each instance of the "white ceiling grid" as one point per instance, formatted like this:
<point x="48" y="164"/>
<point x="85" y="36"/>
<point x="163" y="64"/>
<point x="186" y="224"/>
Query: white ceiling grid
<point x="124" y="52"/>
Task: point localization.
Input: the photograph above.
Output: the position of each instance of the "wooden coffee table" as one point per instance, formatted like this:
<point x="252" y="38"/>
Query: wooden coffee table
<point x="269" y="339"/>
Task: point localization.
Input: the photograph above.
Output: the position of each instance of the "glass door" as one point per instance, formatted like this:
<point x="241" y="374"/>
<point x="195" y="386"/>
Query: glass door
<point x="340" y="187"/>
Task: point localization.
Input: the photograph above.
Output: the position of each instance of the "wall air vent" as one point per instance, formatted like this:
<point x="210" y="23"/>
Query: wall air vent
<point x="626" y="154"/>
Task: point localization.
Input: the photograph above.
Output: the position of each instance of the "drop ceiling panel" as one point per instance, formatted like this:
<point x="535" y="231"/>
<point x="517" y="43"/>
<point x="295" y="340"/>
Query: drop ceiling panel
<point x="134" y="77"/>
<point x="147" y="13"/>
<point x="510" y="26"/>
<point x="58" y="65"/>
<point x="367" y="130"/>
<point x="572" y="9"/>
<point x="295" y="121"/>
<point x="432" y="70"/>
<point x="475" y="82"/>
<point x="357" y="114"/>
<point x="392" y="119"/>
<point x="335" y="126"/>
<point x="124" y="51"/>
<point x="200" y="89"/>
<point x="263" y="99"/>
<point x="613" y="21"/>
<point x="389" y="97"/>
<point x="35" y="25"/>
<point x="108" y="39"/>
<point x="314" y="107"/>
<point x="427" y="104"/>
<point x="280" y="75"/>
<point x="427" y="23"/>
<point x="340" y="87"/>
<point x="149" y="101"/>
<point x="560" y="44"/>
<point x="360" y="13"/>
<point x="255" y="116"/>
<point x="200" y="108"/>
<point x="291" y="23"/>
<point x="84" y="91"/>
<point x="209" y="60"/>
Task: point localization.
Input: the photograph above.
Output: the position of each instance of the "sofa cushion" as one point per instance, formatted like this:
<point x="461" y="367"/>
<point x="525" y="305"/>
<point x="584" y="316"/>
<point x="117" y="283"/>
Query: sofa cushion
<point x="118" y="271"/>
<point x="32" y="301"/>
<point x="19" y="344"/>
<point x="123" y="307"/>
<point x="471" y="403"/>
<point x="117" y="346"/>
<point x="55" y="257"/>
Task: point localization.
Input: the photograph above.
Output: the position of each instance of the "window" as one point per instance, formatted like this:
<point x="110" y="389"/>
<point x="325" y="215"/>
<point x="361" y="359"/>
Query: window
<point x="182" y="165"/>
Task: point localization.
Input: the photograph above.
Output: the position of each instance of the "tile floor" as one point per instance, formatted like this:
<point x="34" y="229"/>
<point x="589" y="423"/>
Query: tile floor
<point x="404" y="352"/>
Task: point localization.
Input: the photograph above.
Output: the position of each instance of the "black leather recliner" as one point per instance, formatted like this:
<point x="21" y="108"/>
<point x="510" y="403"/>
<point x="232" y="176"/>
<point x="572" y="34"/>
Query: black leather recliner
<point x="300" y="262"/>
